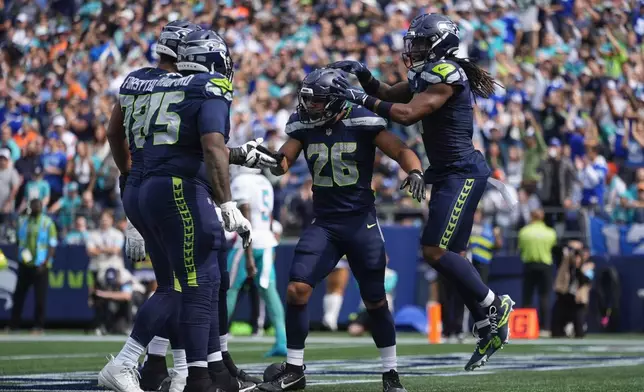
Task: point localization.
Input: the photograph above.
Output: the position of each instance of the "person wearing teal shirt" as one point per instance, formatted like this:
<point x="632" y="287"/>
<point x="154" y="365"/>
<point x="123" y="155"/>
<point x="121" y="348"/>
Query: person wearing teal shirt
<point x="79" y="234"/>
<point x="67" y="206"/>
<point x="37" y="241"/>
<point x="6" y="141"/>
<point x="37" y="188"/>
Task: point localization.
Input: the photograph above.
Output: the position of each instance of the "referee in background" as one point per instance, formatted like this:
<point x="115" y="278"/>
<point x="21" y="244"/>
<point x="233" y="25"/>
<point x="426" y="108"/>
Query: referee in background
<point x="37" y="241"/>
<point x="536" y="241"/>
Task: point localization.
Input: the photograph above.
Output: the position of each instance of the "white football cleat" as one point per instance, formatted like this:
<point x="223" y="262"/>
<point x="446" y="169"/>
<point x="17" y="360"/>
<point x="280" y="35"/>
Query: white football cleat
<point x="119" y="378"/>
<point x="178" y="382"/>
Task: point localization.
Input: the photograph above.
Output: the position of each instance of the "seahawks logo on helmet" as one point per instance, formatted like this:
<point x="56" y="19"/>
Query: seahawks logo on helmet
<point x="447" y="26"/>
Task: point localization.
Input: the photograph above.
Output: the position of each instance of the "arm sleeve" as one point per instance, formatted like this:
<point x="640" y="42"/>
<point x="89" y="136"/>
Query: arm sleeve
<point x="214" y="116"/>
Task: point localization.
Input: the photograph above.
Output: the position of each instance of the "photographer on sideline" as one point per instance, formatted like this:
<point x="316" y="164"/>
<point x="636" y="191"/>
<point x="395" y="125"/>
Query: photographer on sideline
<point x="115" y="294"/>
<point x="572" y="285"/>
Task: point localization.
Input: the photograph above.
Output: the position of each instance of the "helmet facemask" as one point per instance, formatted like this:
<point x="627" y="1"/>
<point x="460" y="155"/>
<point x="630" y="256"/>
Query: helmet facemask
<point x="317" y="109"/>
<point x="418" y="51"/>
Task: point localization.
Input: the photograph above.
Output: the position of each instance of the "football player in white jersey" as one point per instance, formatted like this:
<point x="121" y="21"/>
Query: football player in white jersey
<point x="254" y="196"/>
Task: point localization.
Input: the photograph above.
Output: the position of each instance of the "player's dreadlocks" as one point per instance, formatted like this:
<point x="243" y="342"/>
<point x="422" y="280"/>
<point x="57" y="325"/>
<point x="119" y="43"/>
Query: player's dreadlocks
<point x="481" y="82"/>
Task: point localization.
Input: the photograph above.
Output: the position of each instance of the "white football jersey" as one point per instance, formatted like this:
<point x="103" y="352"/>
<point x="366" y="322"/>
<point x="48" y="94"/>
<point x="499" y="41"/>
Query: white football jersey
<point x="256" y="191"/>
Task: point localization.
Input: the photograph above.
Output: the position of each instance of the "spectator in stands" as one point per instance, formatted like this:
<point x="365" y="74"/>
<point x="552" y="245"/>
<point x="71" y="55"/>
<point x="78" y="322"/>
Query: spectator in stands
<point x="90" y="210"/>
<point x="105" y="245"/>
<point x="558" y="176"/>
<point x="638" y="204"/>
<point x="54" y="163"/>
<point x="37" y="241"/>
<point x="66" y="207"/>
<point x="572" y="285"/>
<point x="535" y="152"/>
<point x="81" y="169"/>
<point x="37" y="188"/>
<point x="592" y="175"/>
<point x="536" y="241"/>
<point x="9" y="185"/>
<point x="7" y="142"/>
<point x="27" y="164"/>
<point x="78" y="235"/>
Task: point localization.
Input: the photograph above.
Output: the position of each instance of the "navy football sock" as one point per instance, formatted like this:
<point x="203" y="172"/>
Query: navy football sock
<point x="173" y="324"/>
<point x="152" y="316"/>
<point x="297" y="326"/>
<point x="382" y="326"/>
<point x="467" y="281"/>
<point x="215" y="322"/>
<point x="195" y="323"/>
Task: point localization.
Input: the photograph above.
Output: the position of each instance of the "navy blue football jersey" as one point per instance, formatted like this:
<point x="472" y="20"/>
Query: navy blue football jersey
<point x="178" y="110"/>
<point x="128" y="94"/>
<point x="447" y="132"/>
<point x="340" y="157"/>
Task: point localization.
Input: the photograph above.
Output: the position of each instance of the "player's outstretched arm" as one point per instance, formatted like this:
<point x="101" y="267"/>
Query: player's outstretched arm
<point x="399" y="92"/>
<point x="215" y="155"/>
<point x="421" y="105"/>
<point x="118" y="140"/>
<point x="395" y="149"/>
<point x="287" y="155"/>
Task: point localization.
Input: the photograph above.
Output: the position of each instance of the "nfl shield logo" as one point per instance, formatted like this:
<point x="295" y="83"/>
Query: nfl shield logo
<point x="328" y="131"/>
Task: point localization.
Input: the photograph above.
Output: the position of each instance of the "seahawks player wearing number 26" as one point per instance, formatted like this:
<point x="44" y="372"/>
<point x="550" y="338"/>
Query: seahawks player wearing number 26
<point x="439" y="92"/>
<point x="340" y="140"/>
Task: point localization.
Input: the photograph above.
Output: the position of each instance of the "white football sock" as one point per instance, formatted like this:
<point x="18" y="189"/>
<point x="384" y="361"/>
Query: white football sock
<point x="158" y="346"/>
<point x="332" y="304"/>
<point x="223" y="343"/>
<point x="130" y="353"/>
<point x="388" y="358"/>
<point x="295" y="357"/>
<point x="180" y="364"/>
<point x="215" y="357"/>
<point x="201" y="364"/>
<point x="489" y="299"/>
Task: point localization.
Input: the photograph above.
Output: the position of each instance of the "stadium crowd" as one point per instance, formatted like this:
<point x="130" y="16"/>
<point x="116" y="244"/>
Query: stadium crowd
<point x="565" y="130"/>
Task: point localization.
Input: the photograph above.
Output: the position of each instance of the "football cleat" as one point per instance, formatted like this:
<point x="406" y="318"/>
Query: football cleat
<point x="289" y="378"/>
<point x="498" y="336"/>
<point x="236" y="372"/>
<point x="119" y="378"/>
<point x="391" y="382"/>
<point x="153" y="374"/>
<point x="177" y="382"/>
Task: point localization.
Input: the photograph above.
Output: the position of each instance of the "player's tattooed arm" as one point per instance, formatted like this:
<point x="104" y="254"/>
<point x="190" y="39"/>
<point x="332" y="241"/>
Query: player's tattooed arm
<point x="118" y="140"/>
<point x="395" y="149"/>
<point x="399" y="92"/>
<point x="288" y="153"/>
<point x="215" y="155"/>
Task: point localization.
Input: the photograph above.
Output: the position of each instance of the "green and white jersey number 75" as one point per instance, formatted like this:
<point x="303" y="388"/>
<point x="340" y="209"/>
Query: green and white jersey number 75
<point x="143" y="111"/>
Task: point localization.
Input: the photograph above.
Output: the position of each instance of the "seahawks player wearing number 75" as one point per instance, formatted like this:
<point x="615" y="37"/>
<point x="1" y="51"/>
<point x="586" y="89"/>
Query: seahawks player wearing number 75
<point x="439" y="92"/>
<point x="340" y="141"/>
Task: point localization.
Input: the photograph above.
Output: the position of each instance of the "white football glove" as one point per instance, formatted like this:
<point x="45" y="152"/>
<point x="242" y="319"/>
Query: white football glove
<point x="235" y="221"/>
<point x="257" y="156"/>
<point x="134" y="243"/>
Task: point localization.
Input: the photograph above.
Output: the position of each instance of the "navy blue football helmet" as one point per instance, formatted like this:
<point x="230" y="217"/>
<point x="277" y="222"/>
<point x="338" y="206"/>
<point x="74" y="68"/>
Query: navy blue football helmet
<point x="317" y="103"/>
<point x="171" y="35"/>
<point x="430" y="37"/>
<point x="205" y="51"/>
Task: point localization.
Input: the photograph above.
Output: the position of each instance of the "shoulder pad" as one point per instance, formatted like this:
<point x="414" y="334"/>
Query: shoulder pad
<point x="294" y="124"/>
<point x="443" y="71"/>
<point x="213" y="85"/>
<point x="360" y="116"/>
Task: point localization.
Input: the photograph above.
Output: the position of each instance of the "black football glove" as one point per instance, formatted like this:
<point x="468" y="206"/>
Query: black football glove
<point x="353" y="67"/>
<point x="341" y="88"/>
<point x="416" y="185"/>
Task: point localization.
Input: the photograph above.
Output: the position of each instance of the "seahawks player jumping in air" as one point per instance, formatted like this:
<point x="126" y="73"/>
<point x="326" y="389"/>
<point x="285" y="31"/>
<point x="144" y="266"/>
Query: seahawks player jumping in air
<point x="128" y="127"/>
<point x="439" y="92"/>
<point x="340" y="141"/>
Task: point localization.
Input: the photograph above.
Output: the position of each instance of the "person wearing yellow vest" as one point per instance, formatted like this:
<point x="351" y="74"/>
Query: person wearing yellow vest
<point x="536" y="241"/>
<point x="484" y="241"/>
<point x="37" y="241"/>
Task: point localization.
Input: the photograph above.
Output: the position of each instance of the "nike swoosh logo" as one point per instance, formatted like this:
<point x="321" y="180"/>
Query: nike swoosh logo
<point x="284" y="386"/>
<point x="370" y="226"/>
<point x="442" y="68"/>
<point x="506" y="312"/>
<point x="484" y="349"/>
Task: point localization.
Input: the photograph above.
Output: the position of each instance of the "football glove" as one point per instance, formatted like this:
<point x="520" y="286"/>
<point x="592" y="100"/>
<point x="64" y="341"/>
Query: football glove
<point x="353" y="67"/>
<point x="257" y="156"/>
<point x="134" y="243"/>
<point x="416" y="185"/>
<point x="235" y="221"/>
<point x="341" y="88"/>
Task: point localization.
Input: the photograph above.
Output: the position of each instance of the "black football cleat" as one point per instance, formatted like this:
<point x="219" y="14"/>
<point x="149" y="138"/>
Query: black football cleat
<point x="290" y="378"/>
<point x="225" y="381"/>
<point x="201" y="385"/>
<point x="154" y="374"/>
<point x="391" y="382"/>
<point x="236" y="372"/>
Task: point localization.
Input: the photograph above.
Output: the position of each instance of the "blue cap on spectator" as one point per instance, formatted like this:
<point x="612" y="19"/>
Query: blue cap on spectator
<point x="555" y="142"/>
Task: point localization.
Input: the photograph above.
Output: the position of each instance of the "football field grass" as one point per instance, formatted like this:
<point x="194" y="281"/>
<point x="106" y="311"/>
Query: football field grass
<point x="336" y="362"/>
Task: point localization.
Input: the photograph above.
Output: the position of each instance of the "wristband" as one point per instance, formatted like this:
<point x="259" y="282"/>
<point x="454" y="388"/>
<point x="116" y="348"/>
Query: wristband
<point x="236" y="156"/>
<point x="372" y="86"/>
<point x="381" y="108"/>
